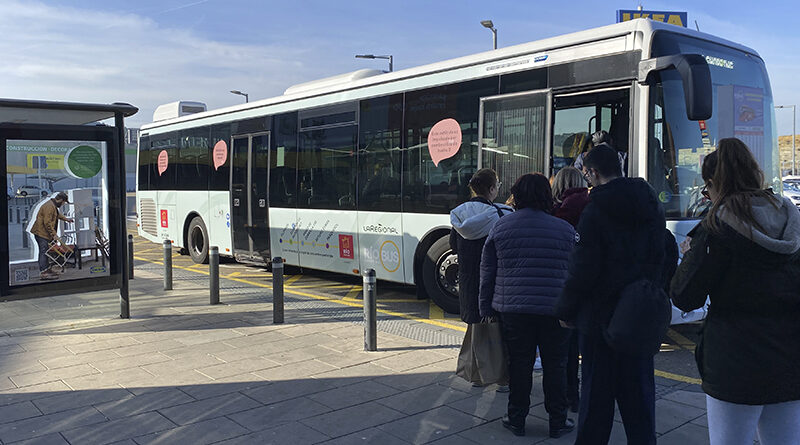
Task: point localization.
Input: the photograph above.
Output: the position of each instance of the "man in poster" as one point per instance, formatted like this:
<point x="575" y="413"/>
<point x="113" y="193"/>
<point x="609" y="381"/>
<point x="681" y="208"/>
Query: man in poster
<point x="44" y="230"/>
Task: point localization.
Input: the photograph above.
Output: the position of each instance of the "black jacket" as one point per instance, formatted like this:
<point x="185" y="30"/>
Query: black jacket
<point x="472" y="222"/>
<point x="749" y="352"/>
<point x="623" y="237"/>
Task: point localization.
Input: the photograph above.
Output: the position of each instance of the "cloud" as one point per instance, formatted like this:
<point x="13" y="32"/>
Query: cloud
<point x="58" y="53"/>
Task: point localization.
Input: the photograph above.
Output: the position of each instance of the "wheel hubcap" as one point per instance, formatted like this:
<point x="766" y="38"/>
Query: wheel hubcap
<point x="447" y="272"/>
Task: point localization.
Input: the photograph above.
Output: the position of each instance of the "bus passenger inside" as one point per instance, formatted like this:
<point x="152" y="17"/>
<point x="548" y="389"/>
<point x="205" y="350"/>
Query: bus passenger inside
<point x="603" y="138"/>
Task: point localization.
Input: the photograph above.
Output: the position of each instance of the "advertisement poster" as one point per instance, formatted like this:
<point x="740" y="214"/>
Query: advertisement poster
<point x="57" y="210"/>
<point x="748" y="115"/>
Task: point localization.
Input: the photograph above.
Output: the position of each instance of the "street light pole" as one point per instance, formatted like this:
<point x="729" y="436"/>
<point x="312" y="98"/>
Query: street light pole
<point x="488" y="24"/>
<point x="388" y="57"/>
<point x="246" y="96"/>
<point x="794" y="135"/>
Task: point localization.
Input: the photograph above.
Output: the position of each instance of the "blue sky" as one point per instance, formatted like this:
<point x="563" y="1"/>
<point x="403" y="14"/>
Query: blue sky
<point x="149" y="52"/>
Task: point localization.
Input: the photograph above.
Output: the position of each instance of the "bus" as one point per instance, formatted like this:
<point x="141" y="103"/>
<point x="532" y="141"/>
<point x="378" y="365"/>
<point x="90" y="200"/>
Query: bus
<point x="359" y="171"/>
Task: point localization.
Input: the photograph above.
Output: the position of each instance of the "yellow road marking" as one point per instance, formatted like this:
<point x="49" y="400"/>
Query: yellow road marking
<point x="233" y="274"/>
<point x="357" y="303"/>
<point x="320" y="285"/>
<point x="351" y="295"/>
<point x="292" y="280"/>
<point x="682" y="341"/>
<point x="678" y="377"/>
<point x="435" y="312"/>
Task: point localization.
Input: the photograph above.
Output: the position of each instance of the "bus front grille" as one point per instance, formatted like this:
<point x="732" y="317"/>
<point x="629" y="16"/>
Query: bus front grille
<point x="149" y="219"/>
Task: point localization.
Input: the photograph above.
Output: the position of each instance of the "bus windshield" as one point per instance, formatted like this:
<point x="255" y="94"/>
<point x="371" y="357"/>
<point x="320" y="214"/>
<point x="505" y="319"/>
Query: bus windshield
<point x="742" y="108"/>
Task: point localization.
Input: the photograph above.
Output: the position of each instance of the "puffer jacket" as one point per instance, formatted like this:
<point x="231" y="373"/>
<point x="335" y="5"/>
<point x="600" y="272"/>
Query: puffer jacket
<point x="524" y="263"/>
<point x="471" y="222"/>
<point x="750" y="344"/>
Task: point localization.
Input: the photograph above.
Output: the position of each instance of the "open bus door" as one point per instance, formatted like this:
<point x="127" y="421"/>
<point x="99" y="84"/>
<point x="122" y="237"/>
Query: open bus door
<point x="249" y="205"/>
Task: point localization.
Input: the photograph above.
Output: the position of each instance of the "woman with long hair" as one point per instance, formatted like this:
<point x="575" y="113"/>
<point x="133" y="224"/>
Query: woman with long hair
<point x="523" y="269"/>
<point x="471" y="223"/>
<point x="745" y="255"/>
<point x="570" y="197"/>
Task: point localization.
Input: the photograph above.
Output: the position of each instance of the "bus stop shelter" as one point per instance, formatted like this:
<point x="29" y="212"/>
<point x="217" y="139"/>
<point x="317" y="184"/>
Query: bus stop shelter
<point x="64" y="206"/>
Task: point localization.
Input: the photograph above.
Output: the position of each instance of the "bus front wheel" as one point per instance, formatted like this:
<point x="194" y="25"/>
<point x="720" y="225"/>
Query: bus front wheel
<point x="440" y="275"/>
<point x="197" y="241"/>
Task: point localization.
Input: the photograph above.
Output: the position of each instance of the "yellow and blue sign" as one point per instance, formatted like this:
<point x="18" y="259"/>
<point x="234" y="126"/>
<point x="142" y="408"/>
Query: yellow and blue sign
<point x="671" y="17"/>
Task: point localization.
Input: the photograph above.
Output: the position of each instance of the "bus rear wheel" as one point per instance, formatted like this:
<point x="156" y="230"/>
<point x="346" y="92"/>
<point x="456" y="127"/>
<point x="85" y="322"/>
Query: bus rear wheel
<point x="440" y="275"/>
<point x="197" y="241"/>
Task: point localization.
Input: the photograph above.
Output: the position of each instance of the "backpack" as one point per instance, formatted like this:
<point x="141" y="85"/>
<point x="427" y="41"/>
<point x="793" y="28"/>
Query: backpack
<point x="642" y="315"/>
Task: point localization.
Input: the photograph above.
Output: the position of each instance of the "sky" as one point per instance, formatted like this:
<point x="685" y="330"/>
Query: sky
<point x="151" y="52"/>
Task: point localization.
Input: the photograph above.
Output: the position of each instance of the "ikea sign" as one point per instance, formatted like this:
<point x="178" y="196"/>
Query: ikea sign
<point x="671" y="17"/>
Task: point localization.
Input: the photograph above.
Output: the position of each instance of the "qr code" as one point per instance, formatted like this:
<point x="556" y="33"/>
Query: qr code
<point x="21" y="275"/>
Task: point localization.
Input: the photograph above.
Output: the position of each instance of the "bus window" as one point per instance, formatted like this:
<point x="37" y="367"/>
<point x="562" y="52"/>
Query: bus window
<point x="327" y="168"/>
<point x="379" y="162"/>
<point x="193" y="160"/>
<point x="283" y="161"/>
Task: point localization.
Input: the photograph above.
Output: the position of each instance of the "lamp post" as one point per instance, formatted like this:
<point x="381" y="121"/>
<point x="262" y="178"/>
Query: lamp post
<point x="794" y="134"/>
<point x="372" y="56"/>
<point x="246" y="96"/>
<point x="488" y="24"/>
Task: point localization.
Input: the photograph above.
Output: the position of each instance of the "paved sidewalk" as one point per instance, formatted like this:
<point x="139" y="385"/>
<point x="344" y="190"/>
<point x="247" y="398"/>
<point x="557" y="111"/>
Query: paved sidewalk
<point x="181" y="371"/>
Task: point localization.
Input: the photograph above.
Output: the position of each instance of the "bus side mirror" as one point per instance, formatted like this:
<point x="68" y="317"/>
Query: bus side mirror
<point x="696" y="78"/>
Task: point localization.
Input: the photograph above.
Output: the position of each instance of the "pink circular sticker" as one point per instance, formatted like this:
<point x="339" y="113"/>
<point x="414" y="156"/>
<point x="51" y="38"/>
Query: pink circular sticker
<point x="220" y="154"/>
<point x="163" y="162"/>
<point x="444" y="140"/>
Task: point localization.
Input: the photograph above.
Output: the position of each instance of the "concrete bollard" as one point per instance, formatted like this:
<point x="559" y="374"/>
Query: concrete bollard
<point x="213" y="273"/>
<point x="277" y="290"/>
<point x="167" y="264"/>
<point x="370" y="311"/>
<point x="130" y="257"/>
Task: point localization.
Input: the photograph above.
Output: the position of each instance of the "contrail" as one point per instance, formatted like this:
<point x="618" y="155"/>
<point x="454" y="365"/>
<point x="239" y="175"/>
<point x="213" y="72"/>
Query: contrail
<point x="176" y="8"/>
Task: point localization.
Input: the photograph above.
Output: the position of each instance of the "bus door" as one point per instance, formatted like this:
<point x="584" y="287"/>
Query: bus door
<point x="249" y="209"/>
<point x="578" y="115"/>
<point x="515" y="135"/>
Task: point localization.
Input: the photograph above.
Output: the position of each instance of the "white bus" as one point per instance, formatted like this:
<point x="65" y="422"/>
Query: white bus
<point x="360" y="171"/>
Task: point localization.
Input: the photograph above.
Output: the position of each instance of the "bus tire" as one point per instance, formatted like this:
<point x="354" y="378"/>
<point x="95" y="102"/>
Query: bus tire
<point x="197" y="240"/>
<point x="440" y="275"/>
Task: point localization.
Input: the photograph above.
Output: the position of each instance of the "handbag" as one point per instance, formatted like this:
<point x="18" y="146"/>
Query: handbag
<point x="482" y="359"/>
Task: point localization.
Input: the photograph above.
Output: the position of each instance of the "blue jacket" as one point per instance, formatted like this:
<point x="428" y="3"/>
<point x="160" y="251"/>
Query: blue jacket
<point x="524" y="263"/>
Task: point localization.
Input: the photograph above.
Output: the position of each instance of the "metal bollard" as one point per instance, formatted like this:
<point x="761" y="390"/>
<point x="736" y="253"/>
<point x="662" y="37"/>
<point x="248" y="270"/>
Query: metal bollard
<point x="167" y="264"/>
<point x="370" y="311"/>
<point x="130" y="257"/>
<point x="213" y="273"/>
<point x="277" y="290"/>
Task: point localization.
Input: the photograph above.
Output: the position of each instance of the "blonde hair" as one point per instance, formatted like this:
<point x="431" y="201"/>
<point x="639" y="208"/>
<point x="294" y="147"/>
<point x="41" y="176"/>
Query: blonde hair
<point x="567" y="178"/>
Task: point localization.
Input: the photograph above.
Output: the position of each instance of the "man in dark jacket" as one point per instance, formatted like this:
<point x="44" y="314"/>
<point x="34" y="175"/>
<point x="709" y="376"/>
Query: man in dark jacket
<point x="621" y="229"/>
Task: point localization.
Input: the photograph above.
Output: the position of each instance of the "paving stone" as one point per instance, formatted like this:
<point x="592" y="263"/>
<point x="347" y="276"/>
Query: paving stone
<point x="368" y="436"/>
<point x="10" y="349"/>
<point x="36" y="378"/>
<point x="148" y="348"/>
<point x="352" y="419"/>
<point x="238" y="367"/>
<point x="34" y="392"/>
<point x="355" y="373"/>
<point x="422" y="399"/>
<point x="200" y="337"/>
<point x="48" y="424"/>
<point x="347" y="358"/>
<point x="297" y="370"/>
<point x="294" y="433"/>
<point x="100" y="345"/>
<point x="420" y="377"/>
<point x="278" y="413"/>
<point x="302" y="354"/>
<point x="410" y="360"/>
<point x="209" y="408"/>
<point x="18" y="411"/>
<point x="132" y="405"/>
<point x="130" y="362"/>
<point x="255" y="340"/>
<point x="201" y="433"/>
<point x="353" y="394"/>
<point x="691" y="398"/>
<point x="701" y="421"/>
<point x="670" y="415"/>
<point x="120" y="429"/>
<point x="111" y="379"/>
<point x="76" y="399"/>
<point x="686" y="434"/>
<point x="78" y="359"/>
<point x="49" y="439"/>
<point x="195" y="360"/>
<point x="431" y="425"/>
<point x="228" y="385"/>
<point x="488" y="405"/>
<point x="286" y="390"/>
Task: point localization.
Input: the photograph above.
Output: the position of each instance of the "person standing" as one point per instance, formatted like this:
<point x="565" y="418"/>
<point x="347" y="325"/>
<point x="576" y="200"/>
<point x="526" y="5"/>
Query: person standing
<point x="622" y="232"/>
<point x="745" y="255"/>
<point x="471" y="223"/>
<point x="571" y="196"/>
<point x="45" y="230"/>
<point x="523" y="267"/>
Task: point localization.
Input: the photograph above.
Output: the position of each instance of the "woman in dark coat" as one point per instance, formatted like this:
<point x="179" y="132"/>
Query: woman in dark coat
<point x="471" y="223"/>
<point x="523" y="269"/>
<point x="571" y="196"/>
<point x="745" y="255"/>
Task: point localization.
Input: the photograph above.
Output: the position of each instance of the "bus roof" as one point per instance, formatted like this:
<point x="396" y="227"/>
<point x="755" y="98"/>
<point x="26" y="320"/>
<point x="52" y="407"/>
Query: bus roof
<point x="361" y="78"/>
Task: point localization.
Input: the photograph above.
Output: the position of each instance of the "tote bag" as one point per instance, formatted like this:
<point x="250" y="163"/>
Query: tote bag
<point x="482" y="359"/>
